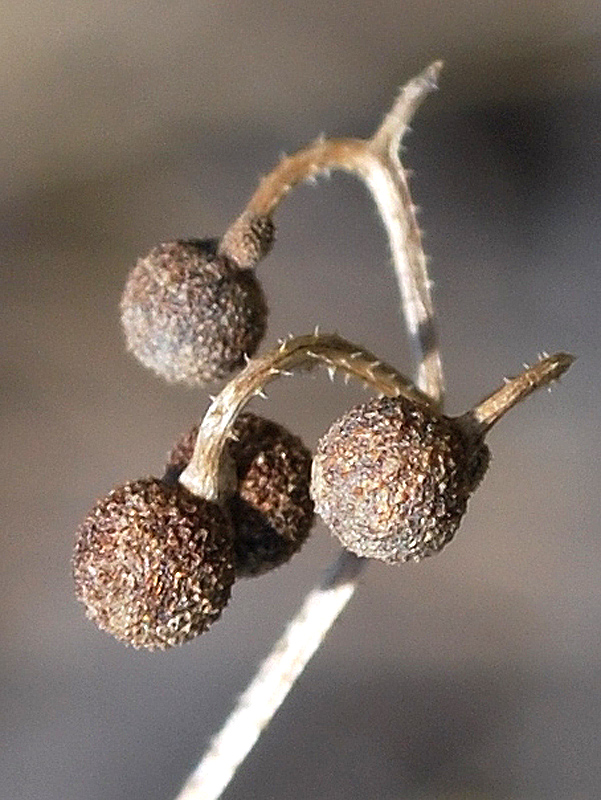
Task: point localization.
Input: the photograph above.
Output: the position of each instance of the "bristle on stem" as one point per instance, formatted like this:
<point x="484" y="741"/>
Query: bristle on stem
<point x="489" y="411"/>
<point x="207" y="474"/>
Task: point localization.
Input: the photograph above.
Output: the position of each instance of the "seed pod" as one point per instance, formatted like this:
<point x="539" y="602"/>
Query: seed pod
<point x="392" y="479"/>
<point x="272" y="511"/>
<point x="153" y="564"/>
<point x="190" y="314"/>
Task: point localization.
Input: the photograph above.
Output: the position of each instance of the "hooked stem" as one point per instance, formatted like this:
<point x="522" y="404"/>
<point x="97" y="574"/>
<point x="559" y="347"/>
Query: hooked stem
<point x="487" y="413"/>
<point x="376" y="162"/>
<point x="208" y="474"/>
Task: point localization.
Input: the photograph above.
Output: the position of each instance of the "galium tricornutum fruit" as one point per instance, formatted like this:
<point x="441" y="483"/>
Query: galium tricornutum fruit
<point x="194" y="310"/>
<point x="155" y="560"/>
<point x="191" y="313"/>
<point x="391" y="478"/>
<point x="153" y="564"/>
<point x="271" y="510"/>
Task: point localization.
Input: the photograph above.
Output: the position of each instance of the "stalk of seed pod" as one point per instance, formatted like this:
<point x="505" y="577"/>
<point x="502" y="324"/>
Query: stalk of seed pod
<point x="153" y="564"/>
<point x="391" y="479"/>
<point x="192" y="310"/>
<point x="210" y="473"/>
<point x="271" y="510"/>
<point x="376" y="162"/>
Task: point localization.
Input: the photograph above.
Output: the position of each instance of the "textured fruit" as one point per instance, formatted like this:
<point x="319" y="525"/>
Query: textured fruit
<point x="249" y="239"/>
<point x="153" y="564"/>
<point x="272" y="511"/>
<point x="192" y="315"/>
<point x="391" y="479"/>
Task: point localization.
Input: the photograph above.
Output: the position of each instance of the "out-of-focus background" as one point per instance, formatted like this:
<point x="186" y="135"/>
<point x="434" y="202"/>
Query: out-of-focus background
<point x="474" y="674"/>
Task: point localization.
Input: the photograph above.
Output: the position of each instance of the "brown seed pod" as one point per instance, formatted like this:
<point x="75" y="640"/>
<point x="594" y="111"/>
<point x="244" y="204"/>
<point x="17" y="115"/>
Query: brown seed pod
<point x="272" y="511"/>
<point x="190" y="314"/>
<point x="392" y="479"/>
<point x="153" y="564"/>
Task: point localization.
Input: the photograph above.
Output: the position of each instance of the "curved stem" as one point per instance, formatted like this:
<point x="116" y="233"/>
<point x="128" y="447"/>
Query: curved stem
<point x="315" y="159"/>
<point x="376" y="162"/>
<point x="207" y="475"/>
<point x="487" y="413"/>
<point x="390" y="189"/>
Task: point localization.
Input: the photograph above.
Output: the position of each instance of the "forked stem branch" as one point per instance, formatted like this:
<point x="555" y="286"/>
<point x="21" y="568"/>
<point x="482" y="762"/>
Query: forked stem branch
<point x="376" y="162"/>
<point x="208" y="475"/>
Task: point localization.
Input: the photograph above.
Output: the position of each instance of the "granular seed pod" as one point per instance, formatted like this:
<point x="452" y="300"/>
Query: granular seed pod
<point x="191" y="314"/>
<point x="271" y="511"/>
<point x="153" y="564"/>
<point x="391" y="478"/>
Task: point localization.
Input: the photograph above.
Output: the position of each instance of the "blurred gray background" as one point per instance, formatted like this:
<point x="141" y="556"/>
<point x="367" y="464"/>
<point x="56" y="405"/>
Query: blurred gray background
<point x="476" y="674"/>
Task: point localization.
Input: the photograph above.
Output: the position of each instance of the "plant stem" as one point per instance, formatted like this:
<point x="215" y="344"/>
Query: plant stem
<point x="487" y="413"/>
<point x="207" y="474"/>
<point x="304" y="634"/>
<point x="376" y="162"/>
<point x="278" y="673"/>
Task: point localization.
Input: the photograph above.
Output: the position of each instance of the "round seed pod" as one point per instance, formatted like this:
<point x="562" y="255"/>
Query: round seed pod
<point x="392" y="479"/>
<point x="272" y="511"/>
<point x="190" y="314"/>
<point x="153" y="564"/>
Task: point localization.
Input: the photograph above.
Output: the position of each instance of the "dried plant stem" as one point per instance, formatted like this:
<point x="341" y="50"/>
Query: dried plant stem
<point x="391" y="192"/>
<point x="382" y="171"/>
<point x="278" y="673"/>
<point x="487" y="413"/>
<point x="376" y="161"/>
<point x="207" y="475"/>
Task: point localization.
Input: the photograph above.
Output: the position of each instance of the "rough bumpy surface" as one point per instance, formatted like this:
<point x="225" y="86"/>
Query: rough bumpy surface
<point x="272" y="511"/>
<point x="392" y="479"/>
<point x="249" y="239"/>
<point x="191" y="315"/>
<point x="153" y="564"/>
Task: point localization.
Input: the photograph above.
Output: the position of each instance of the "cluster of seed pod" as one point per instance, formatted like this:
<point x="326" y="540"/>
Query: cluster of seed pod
<point x="155" y="560"/>
<point x="155" y="564"/>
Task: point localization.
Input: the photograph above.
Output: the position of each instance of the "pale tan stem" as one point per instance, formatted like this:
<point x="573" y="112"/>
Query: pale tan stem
<point x="481" y="418"/>
<point x="273" y="681"/>
<point x="315" y="159"/>
<point x="208" y="475"/>
<point x="391" y="192"/>
<point x="376" y="162"/>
